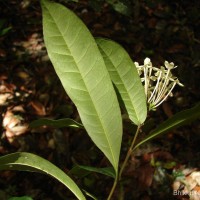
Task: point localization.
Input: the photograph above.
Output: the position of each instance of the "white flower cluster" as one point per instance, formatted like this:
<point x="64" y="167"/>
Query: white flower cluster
<point x="158" y="82"/>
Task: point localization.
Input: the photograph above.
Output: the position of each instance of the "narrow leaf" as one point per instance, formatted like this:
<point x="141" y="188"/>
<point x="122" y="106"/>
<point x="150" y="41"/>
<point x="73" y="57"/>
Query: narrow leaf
<point x="179" y="119"/>
<point x="90" y="195"/>
<point x="124" y="75"/>
<point x="29" y="162"/>
<point x="82" y="171"/>
<point x="20" y="198"/>
<point x="83" y="74"/>
<point x="59" y="123"/>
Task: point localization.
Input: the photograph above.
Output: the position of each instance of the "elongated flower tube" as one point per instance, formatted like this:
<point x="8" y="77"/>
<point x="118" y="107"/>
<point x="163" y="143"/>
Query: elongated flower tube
<point x="158" y="82"/>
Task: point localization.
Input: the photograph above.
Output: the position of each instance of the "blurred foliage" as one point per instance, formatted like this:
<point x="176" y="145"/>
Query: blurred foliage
<point x="121" y="6"/>
<point x="20" y="198"/>
<point x="3" y="28"/>
<point x="67" y="1"/>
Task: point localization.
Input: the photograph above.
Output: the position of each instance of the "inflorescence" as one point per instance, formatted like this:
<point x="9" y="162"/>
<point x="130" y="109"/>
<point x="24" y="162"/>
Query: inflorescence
<point x="158" y="82"/>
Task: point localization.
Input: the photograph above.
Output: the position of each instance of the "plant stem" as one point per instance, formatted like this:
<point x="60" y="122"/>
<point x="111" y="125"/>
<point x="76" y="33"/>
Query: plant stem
<point x="113" y="188"/>
<point x="124" y="163"/>
<point x="130" y="150"/>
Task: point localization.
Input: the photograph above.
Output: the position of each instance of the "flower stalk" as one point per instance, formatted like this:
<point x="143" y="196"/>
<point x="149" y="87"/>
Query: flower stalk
<point x="158" y="85"/>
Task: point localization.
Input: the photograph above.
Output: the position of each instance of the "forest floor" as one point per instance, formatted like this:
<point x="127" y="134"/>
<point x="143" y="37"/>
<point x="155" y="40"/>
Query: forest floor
<point x="30" y="89"/>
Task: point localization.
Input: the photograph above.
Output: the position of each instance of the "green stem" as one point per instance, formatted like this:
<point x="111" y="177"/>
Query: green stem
<point x="124" y="163"/>
<point x="130" y="150"/>
<point x="113" y="188"/>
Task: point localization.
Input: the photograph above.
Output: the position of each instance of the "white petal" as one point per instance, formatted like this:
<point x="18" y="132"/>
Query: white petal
<point x="147" y="61"/>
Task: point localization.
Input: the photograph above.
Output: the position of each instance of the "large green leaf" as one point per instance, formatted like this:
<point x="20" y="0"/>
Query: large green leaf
<point x="81" y="69"/>
<point x="29" y="162"/>
<point x="126" y="79"/>
<point x="179" y="119"/>
<point x="59" y="123"/>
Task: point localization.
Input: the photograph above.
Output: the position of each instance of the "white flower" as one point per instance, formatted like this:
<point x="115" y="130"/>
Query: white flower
<point x="158" y="82"/>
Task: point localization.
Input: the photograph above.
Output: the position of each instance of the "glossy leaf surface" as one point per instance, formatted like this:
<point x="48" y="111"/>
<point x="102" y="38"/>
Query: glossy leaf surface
<point x="81" y="171"/>
<point x="29" y="162"/>
<point x="81" y="69"/>
<point x="124" y="75"/>
<point x="179" y="119"/>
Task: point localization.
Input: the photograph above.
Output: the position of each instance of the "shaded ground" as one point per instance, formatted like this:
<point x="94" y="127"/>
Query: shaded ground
<point x="29" y="90"/>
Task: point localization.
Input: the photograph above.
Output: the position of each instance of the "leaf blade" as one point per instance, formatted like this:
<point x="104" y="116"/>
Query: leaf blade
<point x="129" y="83"/>
<point x="108" y="171"/>
<point x="59" y="123"/>
<point x="30" y="162"/>
<point x="21" y="198"/>
<point x="179" y="119"/>
<point x="81" y="69"/>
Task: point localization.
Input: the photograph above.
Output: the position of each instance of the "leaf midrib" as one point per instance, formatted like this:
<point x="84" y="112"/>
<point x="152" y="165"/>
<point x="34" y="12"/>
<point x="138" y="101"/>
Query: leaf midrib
<point x="108" y="56"/>
<point x="104" y="131"/>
